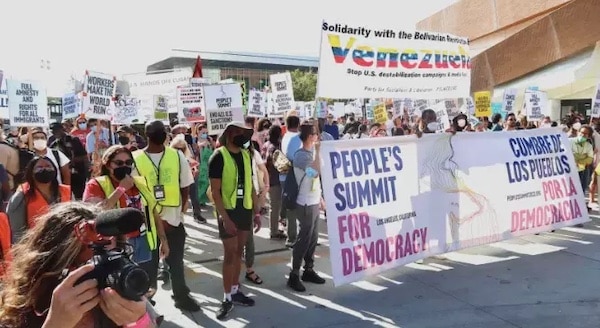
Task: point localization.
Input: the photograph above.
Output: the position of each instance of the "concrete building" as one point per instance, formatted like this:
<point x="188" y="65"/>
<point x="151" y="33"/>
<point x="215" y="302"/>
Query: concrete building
<point x="549" y="44"/>
<point x="254" y="69"/>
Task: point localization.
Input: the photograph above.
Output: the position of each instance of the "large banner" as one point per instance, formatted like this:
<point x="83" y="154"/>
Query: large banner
<point x="357" y="61"/>
<point x="158" y="84"/>
<point x="391" y="201"/>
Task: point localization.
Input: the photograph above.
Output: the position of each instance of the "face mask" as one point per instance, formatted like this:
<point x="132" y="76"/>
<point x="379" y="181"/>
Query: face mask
<point x="158" y="138"/>
<point x="241" y="141"/>
<point x="123" y="141"/>
<point x="93" y="128"/>
<point x="121" y="172"/>
<point x="82" y="126"/>
<point x="577" y="126"/>
<point x="461" y="123"/>
<point x="581" y="139"/>
<point x="40" y="144"/>
<point x="45" y="176"/>
<point x="204" y="136"/>
<point x="433" y="126"/>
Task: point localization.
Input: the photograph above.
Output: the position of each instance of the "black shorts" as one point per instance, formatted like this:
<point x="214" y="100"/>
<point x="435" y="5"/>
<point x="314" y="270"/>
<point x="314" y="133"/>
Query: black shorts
<point x="241" y="217"/>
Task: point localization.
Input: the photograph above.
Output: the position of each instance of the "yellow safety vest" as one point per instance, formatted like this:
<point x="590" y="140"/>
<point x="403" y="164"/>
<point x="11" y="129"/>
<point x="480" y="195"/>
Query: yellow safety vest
<point x="149" y="205"/>
<point x="167" y="174"/>
<point x="229" y="180"/>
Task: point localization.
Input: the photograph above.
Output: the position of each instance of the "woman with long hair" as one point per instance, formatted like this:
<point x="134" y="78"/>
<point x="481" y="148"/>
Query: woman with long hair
<point x="116" y="188"/>
<point x="41" y="289"/>
<point x="34" y="197"/>
<point x="275" y="192"/>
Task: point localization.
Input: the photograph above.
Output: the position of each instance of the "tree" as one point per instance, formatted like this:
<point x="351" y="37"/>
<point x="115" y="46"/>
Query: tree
<point x="305" y="85"/>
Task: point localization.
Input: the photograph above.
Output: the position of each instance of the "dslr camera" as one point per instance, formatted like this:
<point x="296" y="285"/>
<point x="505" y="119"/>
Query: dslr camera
<point x="113" y="267"/>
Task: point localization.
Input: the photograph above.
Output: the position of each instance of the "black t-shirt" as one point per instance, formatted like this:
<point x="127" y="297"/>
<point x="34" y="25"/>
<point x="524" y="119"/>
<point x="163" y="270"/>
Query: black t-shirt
<point x="215" y="170"/>
<point x="72" y="148"/>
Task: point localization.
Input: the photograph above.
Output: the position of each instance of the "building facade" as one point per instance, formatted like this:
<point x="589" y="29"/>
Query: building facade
<point x="253" y="69"/>
<point x="548" y="44"/>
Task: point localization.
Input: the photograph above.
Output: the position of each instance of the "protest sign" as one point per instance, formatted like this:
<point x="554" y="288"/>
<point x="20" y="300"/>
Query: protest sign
<point x="441" y="116"/>
<point x="535" y="105"/>
<point x="380" y="113"/>
<point x="378" y="62"/>
<point x="596" y="103"/>
<point x="71" y="106"/>
<point x="483" y="104"/>
<point x="28" y="105"/>
<point x="223" y="105"/>
<point x="508" y="101"/>
<point x="452" y="108"/>
<point x="258" y="104"/>
<point x="283" y="92"/>
<point x="3" y="99"/>
<point x="309" y="109"/>
<point x="392" y="201"/>
<point x="338" y="109"/>
<point x="190" y="104"/>
<point x="470" y="106"/>
<point x="271" y="107"/>
<point x="98" y="95"/>
<point x="127" y="111"/>
<point x="370" y="111"/>
<point x="158" y="84"/>
<point x="161" y="108"/>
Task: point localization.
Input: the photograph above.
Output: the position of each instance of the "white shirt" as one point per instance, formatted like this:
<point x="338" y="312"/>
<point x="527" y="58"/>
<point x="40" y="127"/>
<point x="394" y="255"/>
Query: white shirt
<point x="173" y="215"/>
<point x="256" y="162"/>
<point x="64" y="160"/>
<point x="285" y="141"/>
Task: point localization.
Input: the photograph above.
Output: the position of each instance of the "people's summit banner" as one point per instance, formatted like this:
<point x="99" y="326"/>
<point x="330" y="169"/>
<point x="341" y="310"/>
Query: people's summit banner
<point x="391" y="201"/>
<point x="365" y="62"/>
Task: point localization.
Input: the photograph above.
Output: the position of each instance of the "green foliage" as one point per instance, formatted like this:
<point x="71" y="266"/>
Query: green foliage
<point x="305" y="85"/>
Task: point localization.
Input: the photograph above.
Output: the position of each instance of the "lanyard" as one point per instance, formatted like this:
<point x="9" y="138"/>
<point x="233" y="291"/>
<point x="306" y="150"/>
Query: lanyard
<point x="156" y="168"/>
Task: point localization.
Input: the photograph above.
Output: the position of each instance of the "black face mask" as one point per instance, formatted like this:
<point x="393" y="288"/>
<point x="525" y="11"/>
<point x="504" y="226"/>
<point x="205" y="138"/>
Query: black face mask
<point x="241" y="141"/>
<point x="124" y="141"/>
<point x="158" y="138"/>
<point x="45" y="176"/>
<point x="121" y="172"/>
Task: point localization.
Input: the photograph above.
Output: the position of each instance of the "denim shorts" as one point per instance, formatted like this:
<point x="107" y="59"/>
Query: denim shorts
<point x="141" y="249"/>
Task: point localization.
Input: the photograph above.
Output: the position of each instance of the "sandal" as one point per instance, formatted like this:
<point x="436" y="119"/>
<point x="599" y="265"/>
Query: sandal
<point x="256" y="278"/>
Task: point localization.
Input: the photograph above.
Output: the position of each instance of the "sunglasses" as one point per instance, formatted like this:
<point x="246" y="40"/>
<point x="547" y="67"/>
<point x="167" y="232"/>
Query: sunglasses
<point x="119" y="162"/>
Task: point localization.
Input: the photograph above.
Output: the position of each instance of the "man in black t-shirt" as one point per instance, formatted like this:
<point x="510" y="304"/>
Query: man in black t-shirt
<point x="230" y="173"/>
<point x="74" y="150"/>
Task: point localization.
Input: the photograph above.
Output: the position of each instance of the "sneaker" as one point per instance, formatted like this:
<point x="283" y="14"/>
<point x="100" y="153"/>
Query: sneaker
<point x="164" y="276"/>
<point x="224" y="310"/>
<point x="289" y="244"/>
<point x="199" y="218"/>
<point x="312" y="276"/>
<point x="295" y="284"/>
<point x="186" y="303"/>
<point x="240" y="299"/>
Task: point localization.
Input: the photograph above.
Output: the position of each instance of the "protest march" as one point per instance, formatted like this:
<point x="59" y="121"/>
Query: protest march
<point x="395" y="158"/>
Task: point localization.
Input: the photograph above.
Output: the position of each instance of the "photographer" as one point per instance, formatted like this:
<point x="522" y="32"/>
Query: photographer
<point x="35" y="295"/>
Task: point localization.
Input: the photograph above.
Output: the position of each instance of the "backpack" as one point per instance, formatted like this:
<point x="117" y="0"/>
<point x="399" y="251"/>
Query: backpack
<point x="25" y="155"/>
<point x="291" y="189"/>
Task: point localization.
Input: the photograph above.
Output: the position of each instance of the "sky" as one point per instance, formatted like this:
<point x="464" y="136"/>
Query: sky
<point x="125" y="36"/>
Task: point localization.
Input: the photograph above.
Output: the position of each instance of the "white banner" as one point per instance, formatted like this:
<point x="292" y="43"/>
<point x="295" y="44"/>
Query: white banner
<point x="365" y="62"/>
<point x="224" y="105"/>
<point x="71" y="105"/>
<point x="98" y="95"/>
<point x="391" y="201"/>
<point x="28" y="105"/>
<point x="283" y="93"/>
<point x="257" y="101"/>
<point x="159" y="84"/>
<point x="190" y="104"/>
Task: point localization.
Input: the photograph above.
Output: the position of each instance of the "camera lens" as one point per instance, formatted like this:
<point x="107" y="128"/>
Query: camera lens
<point x="134" y="282"/>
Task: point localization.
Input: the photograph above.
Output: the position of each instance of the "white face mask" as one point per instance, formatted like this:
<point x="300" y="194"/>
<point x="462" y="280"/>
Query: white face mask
<point x="577" y="126"/>
<point x="461" y="123"/>
<point x="433" y="126"/>
<point x="39" y="144"/>
<point x="82" y="126"/>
